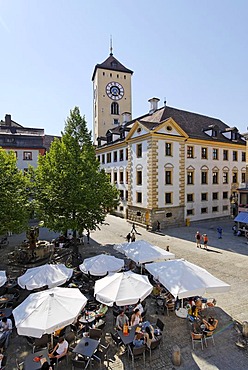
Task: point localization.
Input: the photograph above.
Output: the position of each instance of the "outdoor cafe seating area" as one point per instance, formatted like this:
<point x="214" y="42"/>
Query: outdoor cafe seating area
<point x="87" y="309"/>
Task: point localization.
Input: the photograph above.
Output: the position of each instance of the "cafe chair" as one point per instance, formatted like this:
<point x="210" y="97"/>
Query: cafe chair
<point x="155" y="344"/>
<point x="78" y="331"/>
<point x="159" y="325"/>
<point x="208" y="335"/>
<point x="169" y="306"/>
<point x="136" y="352"/>
<point x="40" y="343"/>
<point x="116" y="339"/>
<point x="197" y="338"/>
<point x="71" y="339"/>
<point x="19" y="365"/>
<point x="95" y="333"/>
<point x="101" y="354"/>
<point x="77" y="363"/>
<point x="65" y="357"/>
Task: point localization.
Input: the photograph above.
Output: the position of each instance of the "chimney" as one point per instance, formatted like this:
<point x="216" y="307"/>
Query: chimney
<point x="8" y="119"/>
<point x="126" y="117"/>
<point x="153" y="104"/>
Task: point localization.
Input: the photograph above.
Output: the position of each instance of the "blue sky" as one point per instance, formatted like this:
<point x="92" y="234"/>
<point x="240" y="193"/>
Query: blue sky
<point x="194" y="53"/>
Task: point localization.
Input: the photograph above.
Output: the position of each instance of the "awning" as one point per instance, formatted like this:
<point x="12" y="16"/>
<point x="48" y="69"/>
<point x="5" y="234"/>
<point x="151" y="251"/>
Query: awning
<point x="242" y="217"/>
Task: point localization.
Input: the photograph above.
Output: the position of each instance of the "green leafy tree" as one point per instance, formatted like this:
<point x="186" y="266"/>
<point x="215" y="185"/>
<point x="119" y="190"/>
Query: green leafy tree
<point x="71" y="190"/>
<point x="15" y="205"/>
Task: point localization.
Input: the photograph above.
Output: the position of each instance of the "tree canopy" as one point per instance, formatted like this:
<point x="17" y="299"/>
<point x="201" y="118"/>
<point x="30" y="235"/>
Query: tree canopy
<point x="15" y="205"/>
<point x="71" y="190"/>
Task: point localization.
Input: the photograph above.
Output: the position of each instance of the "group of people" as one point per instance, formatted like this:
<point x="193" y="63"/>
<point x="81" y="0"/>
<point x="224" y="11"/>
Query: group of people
<point x="136" y="318"/>
<point x="199" y="238"/>
<point x="144" y="336"/>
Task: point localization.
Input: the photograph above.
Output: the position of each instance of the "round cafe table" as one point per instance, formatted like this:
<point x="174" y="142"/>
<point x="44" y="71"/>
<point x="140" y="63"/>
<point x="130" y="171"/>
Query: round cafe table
<point x="89" y="318"/>
<point x="182" y="313"/>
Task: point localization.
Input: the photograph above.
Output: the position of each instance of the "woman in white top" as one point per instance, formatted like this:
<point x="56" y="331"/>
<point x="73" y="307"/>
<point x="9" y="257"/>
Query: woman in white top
<point x="136" y="317"/>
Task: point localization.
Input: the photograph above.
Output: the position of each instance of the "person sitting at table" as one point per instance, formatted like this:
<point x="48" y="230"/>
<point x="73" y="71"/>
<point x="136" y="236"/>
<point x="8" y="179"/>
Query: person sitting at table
<point x="6" y="326"/>
<point x="157" y="290"/>
<point x="149" y="335"/>
<point x="121" y="320"/>
<point x="138" y="340"/>
<point x="136" y="317"/>
<point x="139" y="306"/>
<point x="60" y="350"/>
<point x="211" y="324"/>
<point x="103" y="309"/>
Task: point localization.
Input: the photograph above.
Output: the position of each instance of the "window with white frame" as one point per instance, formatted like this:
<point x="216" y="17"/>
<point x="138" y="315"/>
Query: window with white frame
<point x="190" y="151"/>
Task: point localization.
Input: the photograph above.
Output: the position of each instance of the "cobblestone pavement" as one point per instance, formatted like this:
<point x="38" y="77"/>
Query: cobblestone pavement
<point x="226" y="259"/>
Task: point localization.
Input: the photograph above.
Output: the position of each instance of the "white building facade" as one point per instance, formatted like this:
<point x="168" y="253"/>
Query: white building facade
<point x="173" y="166"/>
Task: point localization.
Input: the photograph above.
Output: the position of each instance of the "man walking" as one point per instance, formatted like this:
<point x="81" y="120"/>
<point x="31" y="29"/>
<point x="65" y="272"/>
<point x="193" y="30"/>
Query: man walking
<point x="198" y="239"/>
<point x="134" y="229"/>
<point x="219" y="231"/>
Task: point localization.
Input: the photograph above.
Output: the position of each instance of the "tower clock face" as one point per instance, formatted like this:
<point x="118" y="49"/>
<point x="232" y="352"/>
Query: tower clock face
<point x="114" y="90"/>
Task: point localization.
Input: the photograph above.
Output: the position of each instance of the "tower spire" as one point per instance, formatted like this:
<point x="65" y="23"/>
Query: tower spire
<point x="111" y="45"/>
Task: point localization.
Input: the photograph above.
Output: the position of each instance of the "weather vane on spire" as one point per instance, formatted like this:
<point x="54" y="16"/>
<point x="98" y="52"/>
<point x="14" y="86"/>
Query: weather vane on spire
<point x="111" y="46"/>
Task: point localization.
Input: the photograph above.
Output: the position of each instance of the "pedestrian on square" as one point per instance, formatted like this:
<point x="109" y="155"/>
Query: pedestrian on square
<point x="128" y="237"/>
<point x="88" y="236"/>
<point x="134" y="229"/>
<point x="205" y="241"/>
<point x="219" y="231"/>
<point x="133" y="237"/>
<point x="198" y="239"/>
<point x="234" y="229"/>
<point x="158" y="226"/>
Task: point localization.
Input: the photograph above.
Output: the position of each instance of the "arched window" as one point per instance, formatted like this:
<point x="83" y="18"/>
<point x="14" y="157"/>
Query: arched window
<point x="114" y="108"/>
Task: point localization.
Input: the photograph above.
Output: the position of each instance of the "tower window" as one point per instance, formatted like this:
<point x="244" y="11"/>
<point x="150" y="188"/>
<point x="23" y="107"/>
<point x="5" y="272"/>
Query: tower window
<point x="103" y="73"/>
<point x="110" y="74"/>
<point x="114" y="108"/>
<point x="117" y="76"/>
<point x="116" y="122"/>
<point x="124" y="77"/>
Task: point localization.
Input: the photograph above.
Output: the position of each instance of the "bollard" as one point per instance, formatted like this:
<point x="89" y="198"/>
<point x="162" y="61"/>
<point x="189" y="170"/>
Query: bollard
<point x="176" y="356"/>
<point x="245" y="329"/>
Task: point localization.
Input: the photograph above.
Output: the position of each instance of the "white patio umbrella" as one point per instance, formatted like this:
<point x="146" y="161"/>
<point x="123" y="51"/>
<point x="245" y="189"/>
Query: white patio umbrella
<point x="142" y="252"/>
<point x="46" y="311"/>
<point x="123" y="288"/>
<point x="184" y="279"/>
<point x="3" y="278"/>
<point x="125" y="246"/>
<point x="50" y="275"/>
<point x="101" y="265"/>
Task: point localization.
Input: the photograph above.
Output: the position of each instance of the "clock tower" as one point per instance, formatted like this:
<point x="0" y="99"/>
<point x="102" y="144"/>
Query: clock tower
<point x="112" y="95"/>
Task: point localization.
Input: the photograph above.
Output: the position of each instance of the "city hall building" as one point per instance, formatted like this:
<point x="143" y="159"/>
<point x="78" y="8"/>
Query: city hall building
<point x="169" y="165"/>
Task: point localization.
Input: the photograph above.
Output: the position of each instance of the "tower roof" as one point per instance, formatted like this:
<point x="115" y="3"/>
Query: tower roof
<point x="112" y="64"/>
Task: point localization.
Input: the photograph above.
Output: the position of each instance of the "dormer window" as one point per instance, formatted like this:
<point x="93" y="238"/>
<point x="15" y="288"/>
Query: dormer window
<point x="109" y="138"/>
<point x="214" y="133"/>
<point x="234" y="135"/>
<point x="114" y="64"/>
